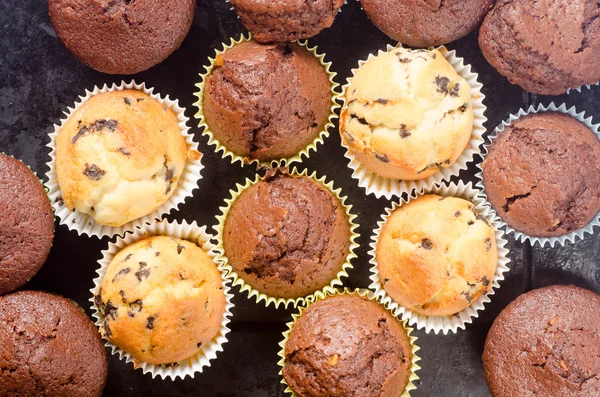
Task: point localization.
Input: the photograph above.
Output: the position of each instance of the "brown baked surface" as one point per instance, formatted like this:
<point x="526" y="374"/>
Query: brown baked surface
<point x="26" y="224"/>
<point x="287" y="236"/>
<point x="267" y="102"/>
<point x="347" y="346"/>
<point x="542" y="174"/>
<point x="545" y="46"/>
<point x="546" y="343"/>
<point x="49" y="348"/>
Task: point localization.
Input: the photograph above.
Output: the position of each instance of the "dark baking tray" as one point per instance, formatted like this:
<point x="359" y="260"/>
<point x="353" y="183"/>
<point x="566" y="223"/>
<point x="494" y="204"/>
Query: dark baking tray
<point x="39" y="78"/>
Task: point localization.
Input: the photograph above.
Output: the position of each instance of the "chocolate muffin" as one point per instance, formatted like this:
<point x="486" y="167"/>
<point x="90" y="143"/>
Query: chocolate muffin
<point x="49" y="348"/>
<point x="346" y="346"/>
<point x="552" y="186"/>
<point x="121" y="36"/>
<point x="267" y="102"/>
<point x="26" y="224"/>
<point x="546" y="343"/>
<point x="287" y="236"/>
<point x="280" y="21"/>
<point x="545" y="46"/>
<point x="419" y="23"/>
<point x="161" y="300"/>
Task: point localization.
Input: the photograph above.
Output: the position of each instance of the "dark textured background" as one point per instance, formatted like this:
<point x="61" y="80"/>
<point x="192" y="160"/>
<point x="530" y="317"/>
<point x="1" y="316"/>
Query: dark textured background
<point x="39" y="78"/>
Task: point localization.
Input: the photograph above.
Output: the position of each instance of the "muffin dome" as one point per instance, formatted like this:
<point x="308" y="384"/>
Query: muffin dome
<point x="26" y="224"/>
<point x="544" y="46"/>
<point x="49" y="348"/>
<point x="552" y="186"/>
<point x="267" y="102"/>
<point x="408" y="114"/>
<point x="419" y="23"/>
<point x="121" y="36"/>
<point x="161" y="299"/>
<point x="436" y="256"/>
<point x="546" y="343"/>
<point x="287" y="236"/>
<point x="288" y="20"/>
<point x="119" y="157"/>
<point x="347" y="346"/>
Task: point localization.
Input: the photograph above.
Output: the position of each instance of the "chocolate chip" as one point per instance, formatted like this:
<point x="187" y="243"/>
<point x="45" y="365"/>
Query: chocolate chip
<point x="169" y="179"/>
<point x="488" y="244"/>
<point x="468" y="296"/>
<point x="457" y="214"/>
<point x="136" y="305"/>
<point x="127" y="257"/>
<point x="140" y="99"/>
<point x="157" y="253"/>
<point x="463" y="107"/>
<point x="121" y="272"/>
<point x="96" y="126"/>
<point x="360" y="120"/>
<point x="404" y="60"/>
<point x="198" y="345"/>
<point x="142" y="274"/>
<point x="483" y="219"/>
<point x="109" y="310"/>
<point x="205" y="305"/>
<point x="107" y="330"/>
<point x="93" y="172"/>
<point x="60" y="201"/>
<point x="485" y="281"/>
<point x="404" y="131"/>
<point x="382" y="157"/>
<point x="382" y="101"/>
<point x="182" y="277"/>
<point x="350" y="137"/>
<point x="82" y="131"/>
<point x="130" y="314"/>
<point x="127" y="101"/>
<point x="426" y="244"/>
<point x="143" y="265"/>
<point x="385" y="280"/>
<point x="180" y="249"/>
<point x="470" y="223"/>
<point x="442" y="84"/>
<point x="150" y="323"/>
<point x="122" y="293"/>
<point x="123" y="151"/>
<point x="454" y="90"/>
<point x="98" y="299"/>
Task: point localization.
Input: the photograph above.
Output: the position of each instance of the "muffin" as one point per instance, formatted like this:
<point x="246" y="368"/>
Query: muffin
<point x="121" y="37"/>
<point x="347" y="346"/>
<point x="544" y="46"/>
<point x="552" y="186"/>
<point x="280" y="21"/>
<point x="407" y="114"/>
<point x="26" y="224"/>
<point x="119" y="157"/>
<point x="160" y="300"/>
<point x="287" y="236"/>
<point x="420" y="23"/>
<point x="267" y="102"/>
<point x="546" y="343"/>
<point x="436" y="255"/>
<point x="49" y="348"/>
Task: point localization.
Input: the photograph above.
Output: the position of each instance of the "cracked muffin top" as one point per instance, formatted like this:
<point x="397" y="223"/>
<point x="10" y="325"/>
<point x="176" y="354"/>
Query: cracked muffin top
<point x="544" y="46"/>
<point x="546" y="343"/>
<point x="26" y="224"/>
<point x="287" y="236"/>
<point x="121" y="36"/>
<point x="436" y="255"/>
<point x="49" y="348"/>
<point x="347" y="346"/>
<point x="161" y="300"/>
<point x="267" y="102"/>
<point x="119" y="157"/>
<point x="425" y="23"/>
<point x="286" y="20"/>
<point x="542" y="174"/>
<point x="407" y="114"/>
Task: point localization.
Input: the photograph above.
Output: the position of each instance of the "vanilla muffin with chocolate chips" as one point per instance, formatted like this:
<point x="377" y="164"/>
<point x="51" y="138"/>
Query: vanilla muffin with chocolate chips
<point x="407" y="114"/>
<point x="161" y="300"/>
<point x="436" y="255"/>
<point x="119" y="157"/>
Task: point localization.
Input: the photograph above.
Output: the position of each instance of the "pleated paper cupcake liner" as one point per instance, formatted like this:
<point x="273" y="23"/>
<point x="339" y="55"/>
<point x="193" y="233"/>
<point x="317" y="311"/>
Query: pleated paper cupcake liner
<point x="520" y="236"/>
<point x="225" y="152"/>
<point x="386" y="187"/>
<point x="85" y="224"/>
<point x="444" y="324"/>
<point x="185" y="231"/>
<point x="247" y="288"/>
<point x="580" y="89"/>
<point x="413" y="377"/>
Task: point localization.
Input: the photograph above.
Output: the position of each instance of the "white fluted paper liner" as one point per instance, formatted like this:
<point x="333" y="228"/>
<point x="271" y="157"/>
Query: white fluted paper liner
<point x="84" y="223"/>
<point x="520" y="236"/>
<point x="386" y="187"/>
<point x="444" y="324"/>
<point x="283" y="162"/>
<point x="413" y="377"/>
<point x="185" y="231"/>
<point x="254" y="293"/>
<point x="579" y="89"/>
